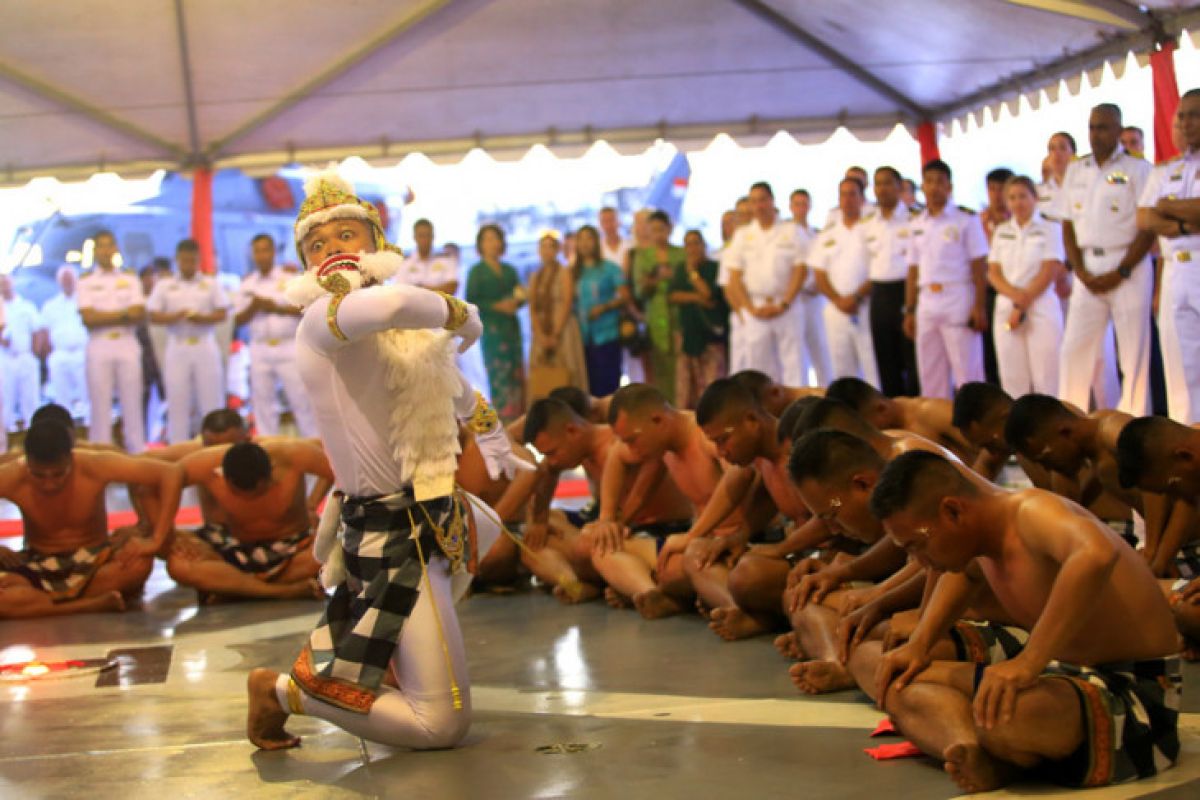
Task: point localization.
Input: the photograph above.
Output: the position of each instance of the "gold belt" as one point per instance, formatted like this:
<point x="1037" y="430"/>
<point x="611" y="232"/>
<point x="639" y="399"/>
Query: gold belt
<point x="1183" y="256"/>
<point x="114" y="335"/>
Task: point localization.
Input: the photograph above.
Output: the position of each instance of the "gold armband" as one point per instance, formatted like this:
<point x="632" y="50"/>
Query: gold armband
<point x="331" y="317"/>
<point x="484" y="419"/>
<point x="459" y="312"/>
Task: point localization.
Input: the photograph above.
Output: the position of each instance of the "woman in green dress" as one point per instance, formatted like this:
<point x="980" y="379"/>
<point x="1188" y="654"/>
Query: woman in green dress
<point x="494" y="287"/>
<point x="653" y="269"/>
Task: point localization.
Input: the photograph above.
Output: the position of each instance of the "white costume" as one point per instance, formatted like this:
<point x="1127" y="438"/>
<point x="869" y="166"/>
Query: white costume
<point x="386" y="398"/>
<point x="1102" y="207"/>
<point x="114" y="358"/>
<point x="1027" y="355"/>
<point x="68" y="352"/>
<point x="273" y="354"/>
<point x="22" y="375"/>
<point x="766" y="259"/>
<point x="942" y="247"/>
<point x="192" y="373"/>
<point x="840" y="252"/>
<point x="1179" y="301"/>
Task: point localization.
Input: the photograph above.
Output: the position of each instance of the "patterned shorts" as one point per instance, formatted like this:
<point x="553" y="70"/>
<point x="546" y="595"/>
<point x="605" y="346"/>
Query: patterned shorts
<point x="264" y="560"/>
<point x="63" y="576"/>
<point x="1130" y="716"/>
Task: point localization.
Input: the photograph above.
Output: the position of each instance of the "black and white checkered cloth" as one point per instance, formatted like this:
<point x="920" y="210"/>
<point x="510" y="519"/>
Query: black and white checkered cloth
<point x="63" y="576"/>
<point x="349" y="652"/>
<point x="263" y="559"/>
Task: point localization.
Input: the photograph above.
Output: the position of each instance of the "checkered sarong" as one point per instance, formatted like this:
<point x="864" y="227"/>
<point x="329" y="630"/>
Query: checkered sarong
<point x="265" y="560"/>
<point x="63" y="576"/>
<point x="349" y="652"/>
<point x="1130" y="721"/>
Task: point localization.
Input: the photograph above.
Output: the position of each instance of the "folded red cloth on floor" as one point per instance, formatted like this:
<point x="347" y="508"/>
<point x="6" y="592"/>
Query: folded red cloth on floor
<point x="886" y="752"/>
<point x="885" y="727"/>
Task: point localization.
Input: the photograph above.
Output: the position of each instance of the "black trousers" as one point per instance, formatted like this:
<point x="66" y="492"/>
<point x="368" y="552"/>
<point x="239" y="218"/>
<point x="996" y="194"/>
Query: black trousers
<point x="894" y="352"/>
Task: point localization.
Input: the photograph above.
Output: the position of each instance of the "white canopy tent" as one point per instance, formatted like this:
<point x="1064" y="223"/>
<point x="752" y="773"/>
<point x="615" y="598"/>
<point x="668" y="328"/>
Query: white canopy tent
<point x="92" y="86"/>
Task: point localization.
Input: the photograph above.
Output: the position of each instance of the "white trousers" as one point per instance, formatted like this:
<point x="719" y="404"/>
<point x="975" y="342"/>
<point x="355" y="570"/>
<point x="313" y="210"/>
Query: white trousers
<point x="420" y="715"/>
<point x="851" y="348"/>
<point x="22" y="385"/>
<point x="737" y="343"/>
<point x="1027" y="356"/>
<point x="273" y="366"/>
<point x="193" y="382"/>
<point x="949" y="352"/>
<point x="115" y="364"/>
<point x="1179" y="334"/>
<point x="776" y="346"/>
<point x="68" y="380"/>
<point x="817" y="355"/>
<point x="1128" y="308"/>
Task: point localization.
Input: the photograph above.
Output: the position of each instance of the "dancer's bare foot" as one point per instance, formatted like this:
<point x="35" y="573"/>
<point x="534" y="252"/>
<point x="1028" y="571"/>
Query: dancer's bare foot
<point x="575" y="593"/>
<point x="820" y="677"/>
<point x="974" y="770"/>
<point x="654" y="604"/>
<point x="265" y="717"/>
<point x="310" y="589"/>
<point x="788" y="646"/>
<point x="616" y="599"/>
<point x="732" y="624"/>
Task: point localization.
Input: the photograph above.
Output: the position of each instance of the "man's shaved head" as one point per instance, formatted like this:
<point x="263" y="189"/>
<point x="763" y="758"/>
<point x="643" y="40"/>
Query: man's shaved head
<point x="826" y="413"/>
<point x="636" y="400"/>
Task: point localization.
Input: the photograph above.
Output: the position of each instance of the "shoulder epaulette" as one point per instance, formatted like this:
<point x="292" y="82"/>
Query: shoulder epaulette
<point x="967" y="210"/>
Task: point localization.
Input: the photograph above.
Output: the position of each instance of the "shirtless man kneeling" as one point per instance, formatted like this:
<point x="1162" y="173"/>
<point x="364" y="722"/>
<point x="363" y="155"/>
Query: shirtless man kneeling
<point x="1101" y="636"/>
<point x="70" y="564"/>
<point x="556" y="550"/>
<point x="649" y="570"/>
<point x="259" y="543"/>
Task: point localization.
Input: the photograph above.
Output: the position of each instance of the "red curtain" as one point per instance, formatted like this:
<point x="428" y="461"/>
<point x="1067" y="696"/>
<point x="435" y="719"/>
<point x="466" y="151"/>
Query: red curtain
<point x="927" y="137"/>
<point x="1166" y="99"/>
<point x="202" y="218"/>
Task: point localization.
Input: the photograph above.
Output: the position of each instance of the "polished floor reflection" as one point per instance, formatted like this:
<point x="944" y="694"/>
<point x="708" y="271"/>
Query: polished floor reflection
<point x="570" y="702"/>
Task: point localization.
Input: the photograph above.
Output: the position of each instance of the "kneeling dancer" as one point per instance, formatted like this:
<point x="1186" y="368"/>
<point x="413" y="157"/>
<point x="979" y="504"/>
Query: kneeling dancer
<point x="387" y="397"/>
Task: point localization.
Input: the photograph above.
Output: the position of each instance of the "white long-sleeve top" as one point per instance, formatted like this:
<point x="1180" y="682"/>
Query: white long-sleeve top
<point x="347" y="380"/>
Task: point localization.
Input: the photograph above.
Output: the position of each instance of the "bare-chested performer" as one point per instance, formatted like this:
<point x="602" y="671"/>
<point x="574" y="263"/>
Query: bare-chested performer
<point x="1080" y="452"/>
<point x="1158" y="455"/>
<point x="558" y="551"/>
<point x="774" y="397"/>
<point x="649" y="571"/>
<point x="747" y="598"/>
<point x="386" y="662"/>
<point x="1092" y="699"/>
<point x="930" y="417"/>
<point x="980" y="414"/>
<point x="259" y="542"/>
<point x="816" y="599"/>
<point x="70" y="564"/>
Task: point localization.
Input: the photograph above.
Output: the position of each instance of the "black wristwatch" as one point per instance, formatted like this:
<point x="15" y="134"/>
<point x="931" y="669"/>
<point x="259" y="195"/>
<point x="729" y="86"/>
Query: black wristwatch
<point x="1125" y="272"/>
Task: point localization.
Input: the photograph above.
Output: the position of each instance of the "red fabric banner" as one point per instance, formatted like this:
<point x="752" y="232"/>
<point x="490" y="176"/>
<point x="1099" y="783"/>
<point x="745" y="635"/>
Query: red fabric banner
<point x="927" y="138"/>
<point x="1166" y="100"/>
<point x="202" y="218"/>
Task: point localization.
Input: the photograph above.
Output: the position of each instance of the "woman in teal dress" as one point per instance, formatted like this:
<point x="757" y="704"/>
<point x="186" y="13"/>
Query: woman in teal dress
<point x="494" y="287"/>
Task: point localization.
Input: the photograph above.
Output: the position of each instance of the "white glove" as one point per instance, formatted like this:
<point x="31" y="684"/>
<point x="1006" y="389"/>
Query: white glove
<point x="498" y="455"/>
<point x="471" y="330"/>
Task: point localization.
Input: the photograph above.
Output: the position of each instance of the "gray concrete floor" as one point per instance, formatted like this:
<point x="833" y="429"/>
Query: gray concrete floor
<point x="665" y="708"/>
